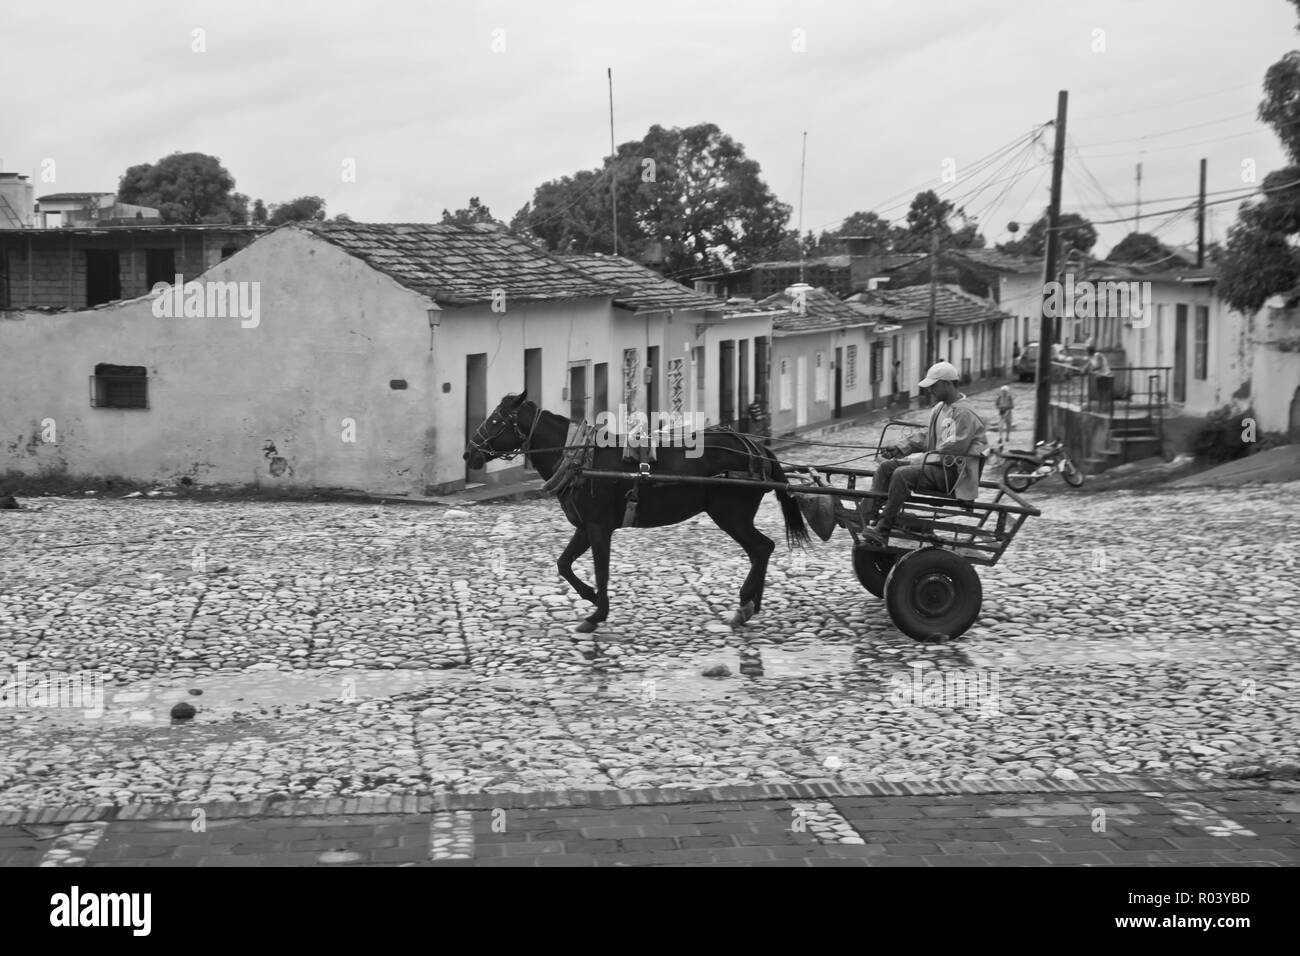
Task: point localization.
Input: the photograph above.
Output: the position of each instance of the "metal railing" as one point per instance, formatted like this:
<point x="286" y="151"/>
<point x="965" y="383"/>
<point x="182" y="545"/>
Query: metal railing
<point x="1129" y="395"/>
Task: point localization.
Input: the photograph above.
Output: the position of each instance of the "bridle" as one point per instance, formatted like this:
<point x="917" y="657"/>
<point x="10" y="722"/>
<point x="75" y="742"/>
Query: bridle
<point x="502" y="422"/>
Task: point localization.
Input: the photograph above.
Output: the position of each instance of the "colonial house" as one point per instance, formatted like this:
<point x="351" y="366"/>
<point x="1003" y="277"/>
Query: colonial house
<point x="970" y="332"/>
<point x="342" y="355"/>
<point x="824" y="365"/>
<point x="89" y="209"/>
<point x="83" y="266"/>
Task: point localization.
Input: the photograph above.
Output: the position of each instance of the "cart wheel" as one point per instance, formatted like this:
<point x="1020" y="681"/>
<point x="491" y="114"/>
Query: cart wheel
<point x="872" y="567"/>
<point x="933" y="594"/>
<point x="1071" y="473"/>
<point x="1018" y="474"/>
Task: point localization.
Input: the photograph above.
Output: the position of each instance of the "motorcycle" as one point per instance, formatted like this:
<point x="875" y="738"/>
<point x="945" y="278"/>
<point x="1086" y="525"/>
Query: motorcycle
<point x="1024" y="468"/>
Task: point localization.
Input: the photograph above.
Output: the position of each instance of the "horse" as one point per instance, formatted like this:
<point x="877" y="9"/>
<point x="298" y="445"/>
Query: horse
<point x="596" y="507"/>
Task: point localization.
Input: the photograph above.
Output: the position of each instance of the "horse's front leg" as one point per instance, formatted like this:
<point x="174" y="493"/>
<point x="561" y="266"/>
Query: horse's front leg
<point x="577" y="547"/>
<point x="600" y="541"/>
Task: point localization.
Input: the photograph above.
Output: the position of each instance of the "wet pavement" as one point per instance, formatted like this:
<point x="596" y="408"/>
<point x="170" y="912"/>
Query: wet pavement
<point x="349" y="651"/>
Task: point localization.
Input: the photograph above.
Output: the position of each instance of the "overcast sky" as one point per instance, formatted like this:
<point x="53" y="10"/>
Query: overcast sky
<point x="431" y="114"/>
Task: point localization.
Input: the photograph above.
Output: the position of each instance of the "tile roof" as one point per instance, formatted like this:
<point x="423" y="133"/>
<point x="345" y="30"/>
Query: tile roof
<point x="640" y="288"/>
<point x="873" y="306"/>
<point x="822" y="310"/>
<point x="69" y="197"/>
<point x="128" y="226"/>
<point x="459" y="265"/>
<point x="952" y="306"/>
<point x="998" y="260"/>
<point x="830" y="262"/>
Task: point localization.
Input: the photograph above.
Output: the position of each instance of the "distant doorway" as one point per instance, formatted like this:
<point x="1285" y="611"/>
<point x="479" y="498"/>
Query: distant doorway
<point x="1180" y="353"/>
<point x="475" y="407"/>
<point x="103" y="276"/>
<point x="1293" y="426"/>
<point x="533" y="384"/>
<point x="839" y="381"/>
<point x="578" y="392"/>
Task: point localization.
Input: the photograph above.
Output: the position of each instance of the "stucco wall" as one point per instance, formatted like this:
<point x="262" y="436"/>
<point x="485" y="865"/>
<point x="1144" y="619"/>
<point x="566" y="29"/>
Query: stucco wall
<point x="1276" y="368"/>
<point x="332" y="334"/>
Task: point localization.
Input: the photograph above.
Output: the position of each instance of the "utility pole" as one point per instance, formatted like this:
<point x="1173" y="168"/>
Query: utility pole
<point x="1200" y="222"/>
<point x="1137" y="225"/>
<point x="613" y="161"/>
<point x="1046" y="322"/>
<point x="931" y="326"/>
<point x="802" y="165"/>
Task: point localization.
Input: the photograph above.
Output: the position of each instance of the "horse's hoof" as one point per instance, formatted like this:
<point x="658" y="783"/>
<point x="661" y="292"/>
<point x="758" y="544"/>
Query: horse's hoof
<point x="746" y="611"/>
<point x="586" y="627"/>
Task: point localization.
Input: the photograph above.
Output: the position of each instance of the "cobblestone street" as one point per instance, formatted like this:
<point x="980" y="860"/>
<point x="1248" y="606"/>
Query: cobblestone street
<point x="336" y="650"/>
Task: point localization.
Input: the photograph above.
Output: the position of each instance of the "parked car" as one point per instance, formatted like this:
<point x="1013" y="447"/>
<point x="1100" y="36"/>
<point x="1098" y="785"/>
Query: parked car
<point x="1026" y="367"/>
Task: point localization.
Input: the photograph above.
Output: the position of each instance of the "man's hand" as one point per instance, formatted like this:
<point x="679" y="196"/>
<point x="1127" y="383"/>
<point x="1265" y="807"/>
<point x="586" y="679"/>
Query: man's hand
<point x="892" y="451"/>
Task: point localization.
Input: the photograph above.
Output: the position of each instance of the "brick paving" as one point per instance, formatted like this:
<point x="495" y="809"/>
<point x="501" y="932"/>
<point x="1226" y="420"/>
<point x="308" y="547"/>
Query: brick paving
<point x="1103" y="821"/>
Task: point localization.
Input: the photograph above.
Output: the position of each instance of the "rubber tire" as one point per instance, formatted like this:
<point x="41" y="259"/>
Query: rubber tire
<point x="947" y="581"/>
<point x="872" y="568"/>
<point x="1016" y="474"/>
<point x="1071" y="473"/>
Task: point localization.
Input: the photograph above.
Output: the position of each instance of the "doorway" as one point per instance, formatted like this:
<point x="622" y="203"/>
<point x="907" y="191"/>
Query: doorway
<point x="839" y="381"/>
<point x="652" y="381"/>
<point x="533" y="385"/>
<point x="727" y="382"/>
<point x="578" y="392"/>
<point x="742" y="378"/>
<point x="801" y="391"/>
<point x="600" y="393"/>
<point x="1180" y="353"/>
<point x="475" y="407"/>
<point x="103" y="276"/>
<point x="1293" y="423"/>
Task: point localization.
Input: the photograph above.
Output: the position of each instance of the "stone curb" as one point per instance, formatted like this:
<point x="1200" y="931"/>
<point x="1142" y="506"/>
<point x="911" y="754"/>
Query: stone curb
<point x="611" y="799"/>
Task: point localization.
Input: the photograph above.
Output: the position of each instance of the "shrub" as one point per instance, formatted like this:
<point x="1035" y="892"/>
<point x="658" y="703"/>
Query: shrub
<point x="1218" y="439"/>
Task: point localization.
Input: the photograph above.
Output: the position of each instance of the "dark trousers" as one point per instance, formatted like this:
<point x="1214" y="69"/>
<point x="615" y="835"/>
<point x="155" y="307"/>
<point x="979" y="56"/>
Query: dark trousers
<point x="900" y="480"/>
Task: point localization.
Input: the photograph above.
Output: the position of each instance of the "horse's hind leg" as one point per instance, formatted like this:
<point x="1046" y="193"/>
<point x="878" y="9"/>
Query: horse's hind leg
<point x="737" y="519"/>
<point x="577" y="547"/>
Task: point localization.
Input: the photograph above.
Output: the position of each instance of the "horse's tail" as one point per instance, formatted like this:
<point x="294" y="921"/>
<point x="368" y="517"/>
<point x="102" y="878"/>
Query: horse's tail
<point x="796" y="532"/>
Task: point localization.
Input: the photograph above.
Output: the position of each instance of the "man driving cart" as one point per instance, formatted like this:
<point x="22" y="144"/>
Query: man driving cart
<point x="952" y="448"/>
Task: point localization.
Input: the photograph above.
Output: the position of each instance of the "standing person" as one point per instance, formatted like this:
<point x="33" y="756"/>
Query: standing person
<point x="1099" y="377"/>
<point x="1005" y="403"/>
<point x="956" y="437"/>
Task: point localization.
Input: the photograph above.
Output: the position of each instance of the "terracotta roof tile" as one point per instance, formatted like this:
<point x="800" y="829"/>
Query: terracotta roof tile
<point x="952" y="305"/>
<point x="459" y="265"/>
<point x="822" y="310"/>
<point x="641" y="289"/>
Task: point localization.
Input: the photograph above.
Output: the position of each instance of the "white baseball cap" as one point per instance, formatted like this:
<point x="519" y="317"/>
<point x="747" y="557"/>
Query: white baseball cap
<point x="940" y="372"/>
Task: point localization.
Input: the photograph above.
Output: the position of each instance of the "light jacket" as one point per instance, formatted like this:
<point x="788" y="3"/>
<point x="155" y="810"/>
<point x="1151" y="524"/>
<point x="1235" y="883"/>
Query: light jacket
<point x="957" y="433"/>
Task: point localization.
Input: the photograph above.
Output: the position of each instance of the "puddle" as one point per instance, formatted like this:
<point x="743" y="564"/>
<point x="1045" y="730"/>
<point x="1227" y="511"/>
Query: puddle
<point x="255" y="694"/>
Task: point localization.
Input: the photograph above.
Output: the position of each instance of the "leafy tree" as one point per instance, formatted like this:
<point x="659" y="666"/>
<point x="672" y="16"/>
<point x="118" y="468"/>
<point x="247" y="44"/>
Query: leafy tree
<point x="1142" y="248"/>
<point x="185" y="188"/>
<point x="1259" y="258"/>
<point x="302" y="209"/>
<point x="475" y="212"/>
<point x="693" y="190"/>
<point x="929" y="216"/>
<point x="259" y="213"/>
<point x="1076" y="234"/>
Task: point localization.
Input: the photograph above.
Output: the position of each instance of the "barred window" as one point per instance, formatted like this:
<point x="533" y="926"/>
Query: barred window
<point x="119" y="386"/>
<point x="851" y="367"/>
<point x="1202" y="343"/>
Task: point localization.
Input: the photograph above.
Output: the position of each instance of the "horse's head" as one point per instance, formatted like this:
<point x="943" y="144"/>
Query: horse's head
<point x="501" y="435"/>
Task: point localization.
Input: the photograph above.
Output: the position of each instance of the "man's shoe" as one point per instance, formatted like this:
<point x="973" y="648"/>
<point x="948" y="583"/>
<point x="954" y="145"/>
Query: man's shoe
<point x="877" y="536"/>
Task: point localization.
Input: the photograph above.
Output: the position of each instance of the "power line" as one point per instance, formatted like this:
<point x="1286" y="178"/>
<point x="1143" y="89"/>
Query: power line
<point x="1148" y="109"/>
<point x="1170" y="132"/>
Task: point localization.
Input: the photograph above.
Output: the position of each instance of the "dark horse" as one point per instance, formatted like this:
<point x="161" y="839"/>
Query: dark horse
<point x="595" y="507"/>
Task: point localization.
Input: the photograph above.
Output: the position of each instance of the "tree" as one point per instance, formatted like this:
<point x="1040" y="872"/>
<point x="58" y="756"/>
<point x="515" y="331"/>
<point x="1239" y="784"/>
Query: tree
<point x="259" y="213"/>
<point x="1076" y="234"/>
<point x="693" y="190"/>
<point x="1260" y="258"/>
<point x="475" y="212"/>
<point x="1142" y="248"/>
<point x="302" y="209"/>
<point x="185" y="188"/>
<point x="929" y="216"/>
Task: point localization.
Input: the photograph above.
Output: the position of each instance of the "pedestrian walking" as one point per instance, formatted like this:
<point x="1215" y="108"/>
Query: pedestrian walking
<point x="1005" y="404"/>
<point x="1100" y="379"/>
